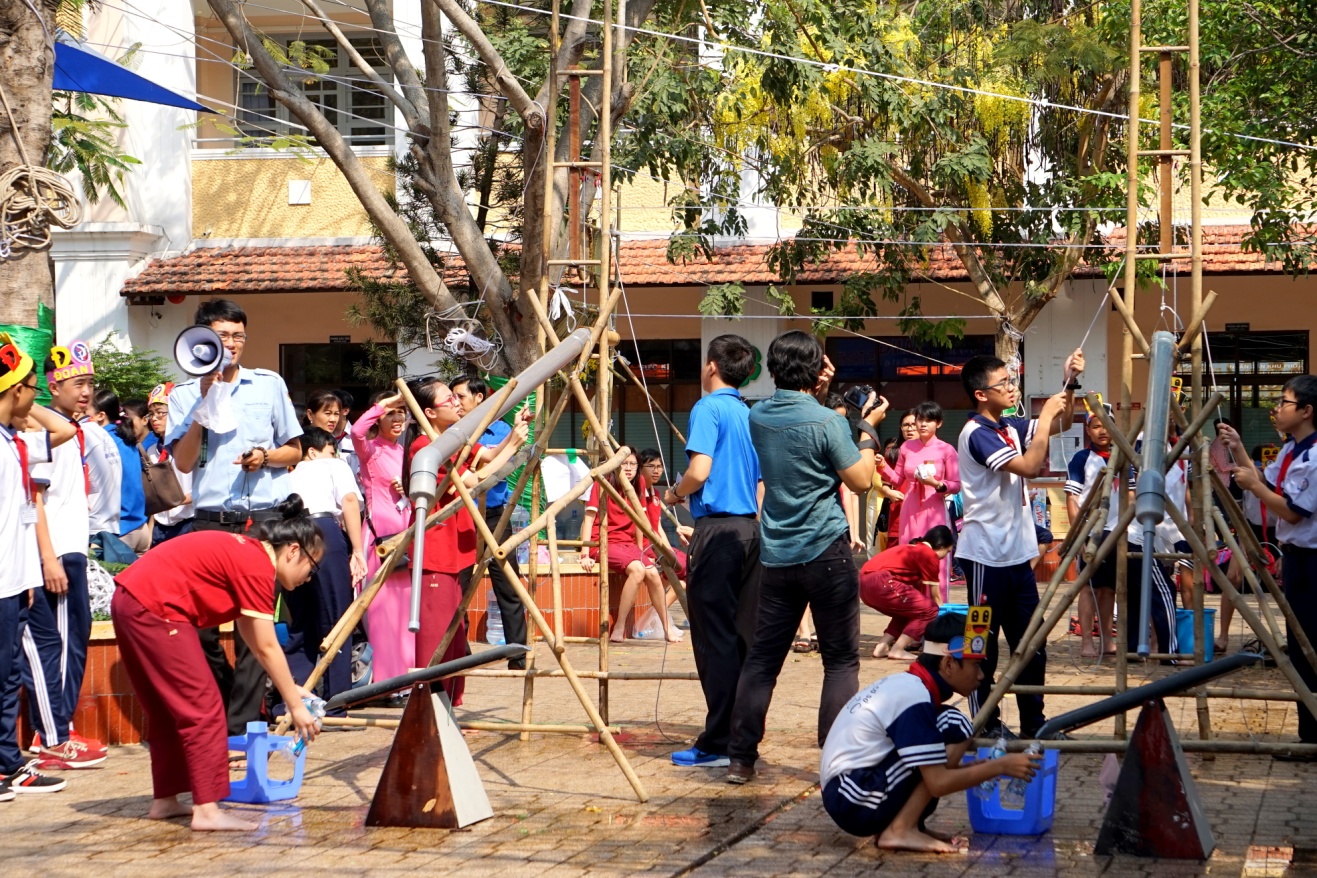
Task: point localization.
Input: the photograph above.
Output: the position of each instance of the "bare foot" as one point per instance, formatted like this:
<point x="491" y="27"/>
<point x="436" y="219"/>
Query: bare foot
<point x="900" y="655"/>
<point x="1109" y="649"/>
<point x="674" y="636"/>
<point x="881" y="650"/>
<point x="914" y="840"/>
<point x="940" y="836"/>
<point x="616" y="639"/>
<point x="1087" y="650"/>
<point x="1220" y="646"/>
<point x="211" y="818"/>
<point x="164" y="809"/>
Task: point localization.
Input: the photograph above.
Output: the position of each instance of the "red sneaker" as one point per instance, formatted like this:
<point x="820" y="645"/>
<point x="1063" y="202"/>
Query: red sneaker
<point x="67" y="757"/>
<point x="91" y="745"/>
<point x="36" y="744"/>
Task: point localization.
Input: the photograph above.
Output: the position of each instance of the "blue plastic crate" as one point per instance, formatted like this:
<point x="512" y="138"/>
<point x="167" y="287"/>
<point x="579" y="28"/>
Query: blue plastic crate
<point x="1035" y="818"/>
<point x="963" y="609"/>
<point x="1184" y="631"/>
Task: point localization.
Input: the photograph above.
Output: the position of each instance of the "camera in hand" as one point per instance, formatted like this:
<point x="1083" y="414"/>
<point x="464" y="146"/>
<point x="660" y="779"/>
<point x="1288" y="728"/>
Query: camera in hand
<point x="858" y="398"/>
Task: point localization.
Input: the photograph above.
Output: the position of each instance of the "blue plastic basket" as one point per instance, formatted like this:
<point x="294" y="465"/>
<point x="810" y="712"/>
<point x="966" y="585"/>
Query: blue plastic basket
<point x="1035" y="818"/>
<point x="1184" y="631"/>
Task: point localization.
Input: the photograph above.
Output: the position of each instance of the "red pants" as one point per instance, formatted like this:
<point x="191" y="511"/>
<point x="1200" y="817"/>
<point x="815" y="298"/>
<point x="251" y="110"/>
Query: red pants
<point x="185" y="714"/>
<point x="910" y="608"/>
<point x="441" y="594"/>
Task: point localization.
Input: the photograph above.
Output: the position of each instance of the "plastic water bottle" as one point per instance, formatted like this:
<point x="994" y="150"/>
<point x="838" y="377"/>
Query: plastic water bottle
<point x="493" y="621"/>
<point x="984" y="789"/>
<point x="574" y="526"/>
<point x="1013" y="789"/>
<point x="520" y="519"/>
<point x="292" y="749"/>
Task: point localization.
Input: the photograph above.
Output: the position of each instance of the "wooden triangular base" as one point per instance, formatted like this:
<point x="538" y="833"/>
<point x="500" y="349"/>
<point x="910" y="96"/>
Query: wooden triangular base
<point x="1154" y="811"/>
<point x="429" y="779"/>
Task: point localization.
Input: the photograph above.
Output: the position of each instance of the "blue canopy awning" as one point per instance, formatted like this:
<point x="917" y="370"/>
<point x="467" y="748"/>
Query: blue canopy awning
<point x="78" y="69"/>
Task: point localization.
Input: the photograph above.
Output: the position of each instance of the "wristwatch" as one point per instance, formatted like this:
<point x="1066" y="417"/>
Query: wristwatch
<point x="1074" y="385"/>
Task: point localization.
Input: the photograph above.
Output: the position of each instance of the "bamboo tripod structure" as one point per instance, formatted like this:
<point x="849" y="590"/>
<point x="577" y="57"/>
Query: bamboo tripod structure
<point x="1204" y="523"/>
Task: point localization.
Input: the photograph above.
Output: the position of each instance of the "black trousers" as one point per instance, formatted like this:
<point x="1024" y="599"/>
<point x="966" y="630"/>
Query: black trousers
<point x="242" y="686"/>
<point x="317" y="606"/>
<point x="1299" y="575"/>
<point x="509" y="604"/>
<point x="830" y="586"/>
<point x="723" y="593"/>
<point x="1012" y="592"/>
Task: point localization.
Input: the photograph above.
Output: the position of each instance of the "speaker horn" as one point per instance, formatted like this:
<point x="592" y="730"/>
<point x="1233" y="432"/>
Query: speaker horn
<point x="199" y="351"/>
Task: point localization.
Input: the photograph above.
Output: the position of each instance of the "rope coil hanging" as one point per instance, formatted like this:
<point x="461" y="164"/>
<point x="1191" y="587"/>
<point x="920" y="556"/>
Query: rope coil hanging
<point x="32" y="199"/>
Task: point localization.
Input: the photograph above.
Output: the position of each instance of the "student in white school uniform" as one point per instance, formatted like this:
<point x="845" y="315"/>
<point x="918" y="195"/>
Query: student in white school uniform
<point x="330" y="494"/>
<point x="21" y="570"/>
<point x="58" y="628"/>
<point x="177" y="521"/>
<point x="1288" y="490"/>
<point x="103" y="463"/>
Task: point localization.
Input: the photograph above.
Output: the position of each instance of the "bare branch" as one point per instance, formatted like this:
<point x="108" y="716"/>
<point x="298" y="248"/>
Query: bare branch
<point x="283" y="90"/>
<point x="381" y="19"/>
<point x="404" y="106"/>
<point x="531" y="112"/>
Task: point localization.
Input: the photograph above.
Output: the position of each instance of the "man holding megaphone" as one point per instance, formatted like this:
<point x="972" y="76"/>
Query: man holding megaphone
<point x="239" y="461"/>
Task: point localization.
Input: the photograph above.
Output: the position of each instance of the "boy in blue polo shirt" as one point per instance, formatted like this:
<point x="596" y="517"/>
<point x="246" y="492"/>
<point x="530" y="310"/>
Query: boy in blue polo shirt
<point x="998" y="543"/>
<point x="722" y="483"/>
<point x="1288" y="490"/>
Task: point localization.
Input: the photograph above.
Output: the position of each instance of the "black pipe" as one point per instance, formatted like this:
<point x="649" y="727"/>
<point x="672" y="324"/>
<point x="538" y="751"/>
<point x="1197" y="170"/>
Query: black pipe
<point x="1133" y="698"/>
<point x="424" y="675"/>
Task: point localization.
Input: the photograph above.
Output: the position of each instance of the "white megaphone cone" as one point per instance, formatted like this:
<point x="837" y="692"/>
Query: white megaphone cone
<point x="199" y="351"/>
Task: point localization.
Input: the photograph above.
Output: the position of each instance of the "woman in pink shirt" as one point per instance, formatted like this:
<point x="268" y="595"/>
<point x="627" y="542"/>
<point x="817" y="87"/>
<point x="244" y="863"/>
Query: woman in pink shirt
<point x="376" y="438"/>
<point x="930" y="472"/>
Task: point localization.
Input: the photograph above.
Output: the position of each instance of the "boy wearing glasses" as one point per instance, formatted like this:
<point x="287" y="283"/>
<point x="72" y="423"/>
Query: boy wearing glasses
<point x="1287" y="489"/>
<point x="21" y="571"/>
<point x="998" y="545"/>
<point x="239" y="477"/>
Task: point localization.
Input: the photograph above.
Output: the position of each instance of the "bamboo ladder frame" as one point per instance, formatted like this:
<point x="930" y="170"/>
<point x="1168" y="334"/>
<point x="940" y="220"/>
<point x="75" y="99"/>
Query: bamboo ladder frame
<point x="1201" y="527"/>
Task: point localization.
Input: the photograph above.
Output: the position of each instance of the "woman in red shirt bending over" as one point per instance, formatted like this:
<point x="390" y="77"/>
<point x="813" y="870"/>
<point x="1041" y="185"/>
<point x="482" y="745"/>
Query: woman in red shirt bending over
<point x="201" y="580"/>
<point x="900" y="582"/>
<point x="450" y="545"/>
<point x="625" y="552"/>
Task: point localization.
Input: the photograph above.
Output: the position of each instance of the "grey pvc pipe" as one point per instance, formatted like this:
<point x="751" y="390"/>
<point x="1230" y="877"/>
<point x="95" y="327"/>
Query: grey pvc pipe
<point x="1150" y="493"/>
<point x="425" y="466"/>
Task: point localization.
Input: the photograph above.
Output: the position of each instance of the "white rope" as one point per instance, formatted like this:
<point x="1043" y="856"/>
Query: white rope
<point x="32" y="198"/>
<point x="560" y="307"/>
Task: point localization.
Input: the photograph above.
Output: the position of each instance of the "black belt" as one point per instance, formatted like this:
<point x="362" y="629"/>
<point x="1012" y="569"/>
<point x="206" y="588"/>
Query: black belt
<point x="727" y="515"/>
<point x="324" y="515"/>
<point x="224" y="516"/>
<point x="1293" y="549"/>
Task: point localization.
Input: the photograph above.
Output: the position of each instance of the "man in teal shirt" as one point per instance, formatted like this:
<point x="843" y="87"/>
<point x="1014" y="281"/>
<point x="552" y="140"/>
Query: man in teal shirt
<point x="805" y="454"/>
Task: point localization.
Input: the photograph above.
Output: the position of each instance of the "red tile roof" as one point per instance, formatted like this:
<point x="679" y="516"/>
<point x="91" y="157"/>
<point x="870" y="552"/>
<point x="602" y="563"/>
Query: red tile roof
<point x="322" y="268"/>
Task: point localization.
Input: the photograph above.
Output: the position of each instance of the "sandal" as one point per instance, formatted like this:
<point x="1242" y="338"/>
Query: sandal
<point x="814" y="643"/>
<point x="801" y="644"/>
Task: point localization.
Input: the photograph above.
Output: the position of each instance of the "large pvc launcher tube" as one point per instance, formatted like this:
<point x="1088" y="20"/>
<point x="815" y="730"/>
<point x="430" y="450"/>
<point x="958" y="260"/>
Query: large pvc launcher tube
<point x="1150" y="493"/>
<point x="425" y="466"/>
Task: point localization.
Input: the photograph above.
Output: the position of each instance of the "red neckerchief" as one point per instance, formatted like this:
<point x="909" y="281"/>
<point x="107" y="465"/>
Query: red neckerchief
<point x="1284" y="468"/>
<point x="1105" y="455"/>
<point x="927" y="679"/>
<point x="21" y="447"/>
<point x="82" y="455"/>
<point x="1005" y="433"/>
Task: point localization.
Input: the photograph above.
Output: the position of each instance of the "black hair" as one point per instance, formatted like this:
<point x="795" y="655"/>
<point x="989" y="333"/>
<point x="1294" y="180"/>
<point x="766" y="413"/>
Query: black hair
<point x="345" y="399"/>
<point x="795" y="360"/>
<point x="938" y="537"/>
<point x="303" y="414"/>
<point x="48" y="366"/>
<point x="1304" y="388"/>
<point x="381" y="395"/>
<point x="474" y="384"/>
<point x="134" y="407"/>
<point x="637" y="482"/>
<point x="1256" y="453"/>
<point x="646" y="456"/>
<point x="106" y="402"/>
<point x="941" y="630"/>
<point x="219" y="311"/>
<point x="928" y="411"/>
<point x="320" y="399"/>
<point x="974" y="374"/>
<point x="316" y="438"/>
<point x="295" y="527"/>
<point x="423" y="391"/>
<point x="733" y="357"/>
<point x="835" y="401"/>
<point x="892" y="452"/>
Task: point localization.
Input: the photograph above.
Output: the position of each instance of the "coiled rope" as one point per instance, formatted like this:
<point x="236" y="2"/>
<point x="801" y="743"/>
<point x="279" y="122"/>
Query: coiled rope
<point x="32" y="198"/>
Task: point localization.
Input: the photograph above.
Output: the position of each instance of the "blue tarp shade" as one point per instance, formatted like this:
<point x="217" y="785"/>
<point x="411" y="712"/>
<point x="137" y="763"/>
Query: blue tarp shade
<point x="82" y="70"/>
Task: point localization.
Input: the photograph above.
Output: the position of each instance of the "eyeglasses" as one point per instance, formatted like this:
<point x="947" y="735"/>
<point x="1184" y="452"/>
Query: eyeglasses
<point x="654" y="465"/>
<point x="239" y="337"/>
<point x="315" y="565"/>
<point x="1285" y="402"/>
<point x="1000" y="385"/>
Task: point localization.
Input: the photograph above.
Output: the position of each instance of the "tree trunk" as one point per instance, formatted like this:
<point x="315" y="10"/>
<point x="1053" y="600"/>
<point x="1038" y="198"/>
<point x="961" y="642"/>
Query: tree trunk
<point x="1006" y="342"/>
<point x="28" y="62"/>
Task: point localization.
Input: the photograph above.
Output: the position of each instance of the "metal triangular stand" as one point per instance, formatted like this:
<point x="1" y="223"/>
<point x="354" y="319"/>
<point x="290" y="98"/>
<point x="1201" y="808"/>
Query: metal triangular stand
<point x="430" y="780"/>
<point x="1155" y="811"/>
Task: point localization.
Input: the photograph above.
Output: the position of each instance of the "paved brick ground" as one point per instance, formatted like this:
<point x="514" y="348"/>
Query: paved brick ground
<point x="562" y="808"/>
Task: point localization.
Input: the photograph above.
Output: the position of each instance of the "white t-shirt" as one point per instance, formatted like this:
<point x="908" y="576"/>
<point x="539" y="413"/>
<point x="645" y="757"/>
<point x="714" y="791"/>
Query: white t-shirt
<point x="323" y="483"/>
<point x="184" y="511"/>
<point x="21" y="569"/>
<point x="67" y="511"/>
<point x="106" y="479"/>
<point x="999" y="526"/>
<point x="1299" y="488"/>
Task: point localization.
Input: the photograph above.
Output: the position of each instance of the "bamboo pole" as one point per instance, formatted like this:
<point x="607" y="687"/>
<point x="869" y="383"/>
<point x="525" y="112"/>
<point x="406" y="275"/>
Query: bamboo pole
<point x="472" y="725"/>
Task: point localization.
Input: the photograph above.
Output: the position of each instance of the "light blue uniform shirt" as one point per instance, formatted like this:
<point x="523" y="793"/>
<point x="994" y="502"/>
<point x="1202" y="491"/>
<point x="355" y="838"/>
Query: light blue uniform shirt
<point x="498" y="495"/>
<point x="802" y="446"/>
<point x="719" y="428"/>
<point x="265" y="418"/>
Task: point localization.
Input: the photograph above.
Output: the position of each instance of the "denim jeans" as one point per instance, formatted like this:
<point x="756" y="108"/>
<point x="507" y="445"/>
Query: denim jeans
<point x="829" y="585"/>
